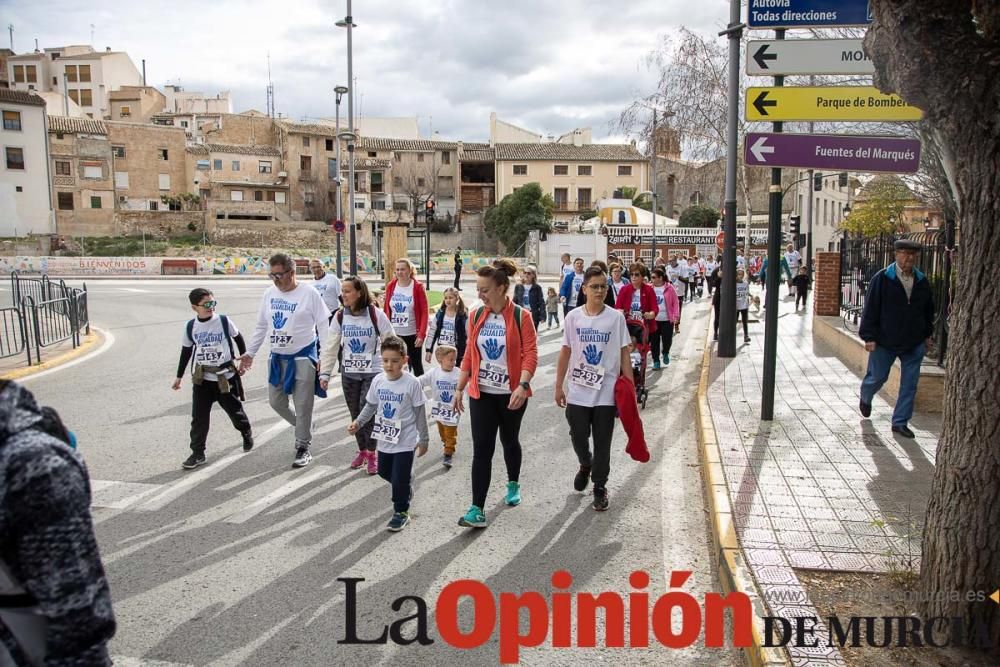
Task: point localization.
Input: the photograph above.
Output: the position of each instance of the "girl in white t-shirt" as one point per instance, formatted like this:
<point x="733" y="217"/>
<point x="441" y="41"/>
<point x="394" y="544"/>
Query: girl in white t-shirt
<point x="742" y="302"/>
<point x="595" y="351"/>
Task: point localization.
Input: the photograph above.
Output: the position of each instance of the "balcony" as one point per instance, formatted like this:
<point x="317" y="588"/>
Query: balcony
<point x="567" y="205"/>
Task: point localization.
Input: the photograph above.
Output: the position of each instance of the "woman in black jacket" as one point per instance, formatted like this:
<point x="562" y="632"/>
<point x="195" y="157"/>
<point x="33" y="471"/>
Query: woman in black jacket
<point x="529" y="295"/>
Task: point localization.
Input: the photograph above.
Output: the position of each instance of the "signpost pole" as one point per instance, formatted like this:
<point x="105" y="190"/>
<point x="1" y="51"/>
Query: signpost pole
<point x="773" y="275"/>
<point x="727" y="299"/>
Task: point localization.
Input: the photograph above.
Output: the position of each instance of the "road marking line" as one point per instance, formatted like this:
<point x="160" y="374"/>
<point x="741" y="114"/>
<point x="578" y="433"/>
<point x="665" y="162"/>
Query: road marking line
<point x="109" y="340"/>
<point x="133" y="289"/>
<point x="292" y="484"/>
<point x="124" y="661"/>
<point x="119" y="495"/>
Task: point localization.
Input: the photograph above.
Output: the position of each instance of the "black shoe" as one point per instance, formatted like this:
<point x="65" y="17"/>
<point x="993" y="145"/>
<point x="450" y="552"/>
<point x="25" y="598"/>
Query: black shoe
<point x="247" y="441"/>
<point x="582" y="478"/>
<point x="746" y="339"/>
<point x="302" y="458"/>
<point x="866" y="409"/>
<point x="903" y="431"/>
<point x="600" y="499"/>
<point x="193" y="461"/>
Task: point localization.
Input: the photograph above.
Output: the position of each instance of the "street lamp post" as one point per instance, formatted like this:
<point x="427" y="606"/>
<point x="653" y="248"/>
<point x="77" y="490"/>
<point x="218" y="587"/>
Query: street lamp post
<point x="348" y="22"/>
<point x="339" y="91"/>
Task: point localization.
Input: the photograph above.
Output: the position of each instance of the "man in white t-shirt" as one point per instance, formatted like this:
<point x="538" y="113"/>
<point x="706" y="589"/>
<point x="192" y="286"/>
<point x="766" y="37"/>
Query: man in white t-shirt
<point x="327" y="284"/>
<point x="291" y="316"/>
<point x="794" y="261"/>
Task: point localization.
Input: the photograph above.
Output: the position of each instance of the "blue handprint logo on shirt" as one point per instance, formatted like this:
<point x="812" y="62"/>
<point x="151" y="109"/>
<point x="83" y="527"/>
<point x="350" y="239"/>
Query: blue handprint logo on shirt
<point x="355" y="345"/>
<point x="279" y="320"/>
<point x="446" y="397"/>
<point x="399" y="307"/>
<point x="591" y="354"/>
<point x="493" y="349"/>
<point x="388" y="411"/>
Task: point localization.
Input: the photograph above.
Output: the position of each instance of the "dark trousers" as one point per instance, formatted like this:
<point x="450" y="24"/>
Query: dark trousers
<point x="415" y="354"/>
<point x="458" y="275"/>
<point x="566" y="308"/>
<point x="598" y="422"/>
<point x="355" y="391"/>
<point x="744" y="313"/>
<point x="691" y="287"/>
<point x="553" y="317"/>
<point x="664" y="333"/>
<point x="715" y="320"/>
<point x="801" y="296"/>
<point x="489" y="414"/>
<point x="202" y="397"/>
<point x="397" y="469"/>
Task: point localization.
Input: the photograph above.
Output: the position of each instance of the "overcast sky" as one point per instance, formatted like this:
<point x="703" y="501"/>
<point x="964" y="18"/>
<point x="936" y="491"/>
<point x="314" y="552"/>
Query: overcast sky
<point x="546" y="66"/>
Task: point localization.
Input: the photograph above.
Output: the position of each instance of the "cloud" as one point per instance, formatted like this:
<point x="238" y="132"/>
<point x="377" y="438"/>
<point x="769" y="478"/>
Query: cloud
<point x="549" y="67"/>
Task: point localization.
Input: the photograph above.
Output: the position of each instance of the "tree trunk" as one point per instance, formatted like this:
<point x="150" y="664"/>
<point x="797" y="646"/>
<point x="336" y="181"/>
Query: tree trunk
<point x="937" y="57"/>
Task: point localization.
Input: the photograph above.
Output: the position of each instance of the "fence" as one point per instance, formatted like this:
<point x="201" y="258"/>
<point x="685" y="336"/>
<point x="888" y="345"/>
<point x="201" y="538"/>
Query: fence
<point x="861" y="259"/>
<point x="43" y="313"/>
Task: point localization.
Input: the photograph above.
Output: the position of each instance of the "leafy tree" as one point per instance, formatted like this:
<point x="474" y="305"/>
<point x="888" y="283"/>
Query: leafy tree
<point x="879" y="208"/>
<point x="699" y="216"/>
<point x="958" y="92"/>
<point x="639" y="201"/>
<point x="518" y="213"/>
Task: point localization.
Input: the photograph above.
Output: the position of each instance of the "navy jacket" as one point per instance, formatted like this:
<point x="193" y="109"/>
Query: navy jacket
<point x="892" y="321"/>
<point x="536" y="298"/>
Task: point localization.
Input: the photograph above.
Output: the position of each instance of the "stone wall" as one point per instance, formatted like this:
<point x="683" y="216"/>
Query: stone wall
<point x="158" y="224"/>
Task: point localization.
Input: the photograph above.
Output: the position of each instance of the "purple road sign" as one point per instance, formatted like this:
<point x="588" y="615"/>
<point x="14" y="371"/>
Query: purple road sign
<point x="836" y="152"/>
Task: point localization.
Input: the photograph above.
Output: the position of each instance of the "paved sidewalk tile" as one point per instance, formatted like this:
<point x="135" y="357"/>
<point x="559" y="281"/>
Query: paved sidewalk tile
<point x="819" y="487"/>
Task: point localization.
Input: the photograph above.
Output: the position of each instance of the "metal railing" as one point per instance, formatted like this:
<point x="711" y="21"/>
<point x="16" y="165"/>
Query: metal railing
<point x="43" y="314"/>
<point x="12" y="338"/>
<point x="861" y="259"/>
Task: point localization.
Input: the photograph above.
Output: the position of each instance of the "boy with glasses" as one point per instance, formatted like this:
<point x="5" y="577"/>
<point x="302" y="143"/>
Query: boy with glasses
<point x="208" y="344"/>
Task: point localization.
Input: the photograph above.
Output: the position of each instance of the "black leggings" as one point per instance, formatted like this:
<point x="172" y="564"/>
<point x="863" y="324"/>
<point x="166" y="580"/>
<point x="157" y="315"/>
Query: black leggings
<point x="745" y="315"/>
<point x="489" y="414"/>
<point x="664" y="332"/>
<point x="415" y="354"/>
<point x="355" y="390"/>
<point x="800" y="296"/>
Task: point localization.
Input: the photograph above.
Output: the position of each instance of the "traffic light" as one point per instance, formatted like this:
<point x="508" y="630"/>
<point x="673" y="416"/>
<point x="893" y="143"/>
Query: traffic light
<point x="795" y="226"/>
<point x="842" y="179"/>
<point x="429" y="211"/>
<point x="818" y="181"/>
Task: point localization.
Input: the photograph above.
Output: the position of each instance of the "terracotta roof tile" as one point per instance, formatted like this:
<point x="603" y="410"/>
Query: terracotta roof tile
<point x="77" y="125"/>
<point x="244" y="149"/>
<point x="10" y="96"/>
<point x="569" y="152"/>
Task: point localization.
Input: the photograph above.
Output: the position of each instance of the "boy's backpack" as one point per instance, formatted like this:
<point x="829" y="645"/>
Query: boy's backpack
<point x="225" y="331"/>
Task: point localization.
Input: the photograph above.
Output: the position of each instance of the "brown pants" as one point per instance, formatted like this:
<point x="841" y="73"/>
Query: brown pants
<point x="449" y="436"/>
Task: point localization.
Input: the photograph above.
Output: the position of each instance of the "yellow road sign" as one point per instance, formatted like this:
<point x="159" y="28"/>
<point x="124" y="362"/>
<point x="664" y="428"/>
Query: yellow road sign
<point x="843" y="103"/>
<point x="996" y="596"/>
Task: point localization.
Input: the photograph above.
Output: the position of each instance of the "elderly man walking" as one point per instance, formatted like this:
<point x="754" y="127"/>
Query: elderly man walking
<point x="897" y="321"/>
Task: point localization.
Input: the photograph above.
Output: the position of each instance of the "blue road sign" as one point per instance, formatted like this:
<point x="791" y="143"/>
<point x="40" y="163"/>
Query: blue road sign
<point x="772" y="14"/>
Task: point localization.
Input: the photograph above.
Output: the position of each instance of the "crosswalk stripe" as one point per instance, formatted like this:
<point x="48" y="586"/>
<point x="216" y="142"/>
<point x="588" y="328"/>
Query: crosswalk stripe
<point x="292" y="484"/>
<point x="119" y="495"/>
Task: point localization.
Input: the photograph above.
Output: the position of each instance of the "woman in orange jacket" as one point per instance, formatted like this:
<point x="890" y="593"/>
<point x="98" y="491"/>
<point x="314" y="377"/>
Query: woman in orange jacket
<point x="405" y="304"/>
<point x="500" y="360"/>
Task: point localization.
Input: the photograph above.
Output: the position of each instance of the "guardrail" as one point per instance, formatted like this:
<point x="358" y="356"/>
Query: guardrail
<point x="44" y="313"/>
<point x="12" y="338"/>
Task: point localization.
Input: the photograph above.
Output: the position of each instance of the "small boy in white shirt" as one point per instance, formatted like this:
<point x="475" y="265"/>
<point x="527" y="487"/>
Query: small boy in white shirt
<point x="443" y="382"/>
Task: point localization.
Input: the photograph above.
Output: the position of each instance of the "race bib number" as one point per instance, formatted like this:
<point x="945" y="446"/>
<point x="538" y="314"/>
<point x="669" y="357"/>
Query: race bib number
<point x="587" y="375"/>
<point x="444" y="413"/>
<point x="209" y="355"/>
<point x="357" y="363"/>
<point x="280" y="339"/>
<point x="387" y="430"/>
<point x="400" y="319"/>
<point x="494" y="376"/>
<point x="447" y="338"/>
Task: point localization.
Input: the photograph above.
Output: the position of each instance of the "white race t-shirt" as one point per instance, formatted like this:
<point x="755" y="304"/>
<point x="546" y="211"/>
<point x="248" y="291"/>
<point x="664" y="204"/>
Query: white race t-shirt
<point x="447" y="335"/>
<point x="443" y="385"/>
<point x="709" y="267"/>
<point x="493" y="378"/>
<point x="740" y="261"/>
<point x="404" y="319"/>
<point x="394" y="418"/>
<point x="794" y="259"/>
<point x="674" y="274"/>
<point x="661" y="302"/>
<point x="617" y="287"/>
<point x="567" y="269"/>
<point x="329" y="288"/>
<point x="577" y="284"/>
<point x="742" y="295"/>
<point x="595" y="345"/>
<point x="211" y="347"/>
<point x="292" y="318"/>
<point x="635" y="308"/>
<point x="359" y="342"/>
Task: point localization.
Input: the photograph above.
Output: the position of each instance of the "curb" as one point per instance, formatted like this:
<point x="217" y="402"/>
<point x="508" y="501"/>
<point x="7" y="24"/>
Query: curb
<point x="734" y="572"/>
<point x="95" y="339"/>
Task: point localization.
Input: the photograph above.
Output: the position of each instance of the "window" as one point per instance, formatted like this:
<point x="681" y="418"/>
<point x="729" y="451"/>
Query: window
<point x="305" y="163"/>
<point x="85" y="73"/>
<point x="331" y="169"/>
<point x="164" y="154"/>
<point x="59" y="136"/>
<point x="236" y="165"/>
<point x="118" y="152"/>
<point x="71" y="73"/>
<point x="15" y="158"/>
<point x="308" y="198"/>
<point x="12" y="120"/>
<point x="173" y="206"/>
<point x="279" y="197"/>
<point x="94" y="171"/>
<point x="18" y="73"/>
<point x="63" y="168"/>
<point x="235" y="195"/>
<point x="359" y="204"/>
<point x="378" y="205"/>
<point x="626" y="256"/>
<point x="184" y="123"/>
<point x="561" y="197"/>
<point x="203" y="165"/>
<point x="217" y="164"/>
<point x="583" y="196"/>
<point x="624" y="170"/>
<point x="400" y="206"/>
<point x="154" y="206"/>
<point x="55" y="82"/>
<point x="420" y="182"/>
<point x="377" y="180"/>
<point x="420" y="157"/>
<point x="125" y="111"/>
<point x="397" y="181"/>
<point x="74" y="95"/>
<point x="31" y="73"/>
<point x="18" y="188"/>
<point x="258" y="195"/>
<point x="560" y="170"/>
<point x="264" y="167"/>
<point x="164" y="181"/>
<point x="305" y="142"/>
<point x="329" y="144"/>
<point x="121" y="180"/>
<point x="372" y="154"/>
<point x="55" y="55"/>
<point x="64" y="200"/>
<point x="445" y="157"/>
<point x="584" y="170"/>
<point x="95" y="202"/>
<point x="520" y="170"/>
<point x="269" y="195"/>
<point x="86" y="98"/>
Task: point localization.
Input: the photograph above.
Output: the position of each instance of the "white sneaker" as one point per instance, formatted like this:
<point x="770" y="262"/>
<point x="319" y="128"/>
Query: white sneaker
<point x="302" y="458"/>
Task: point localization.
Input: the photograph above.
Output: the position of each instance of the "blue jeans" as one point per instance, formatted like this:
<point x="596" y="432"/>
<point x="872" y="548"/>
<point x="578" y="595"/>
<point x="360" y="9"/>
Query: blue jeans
<point x="397" y="469"/>
<point x="553" y="317"/>
<point x="879" y="364"/>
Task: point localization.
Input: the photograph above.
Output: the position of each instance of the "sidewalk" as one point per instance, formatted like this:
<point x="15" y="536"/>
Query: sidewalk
<point x="17" y="368"/>
<point x="819" y="487"/>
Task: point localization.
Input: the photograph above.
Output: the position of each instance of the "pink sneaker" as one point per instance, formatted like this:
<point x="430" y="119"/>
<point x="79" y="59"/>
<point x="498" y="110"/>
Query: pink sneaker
<point x="359" y="460"/>
<point x="372" y="463"/>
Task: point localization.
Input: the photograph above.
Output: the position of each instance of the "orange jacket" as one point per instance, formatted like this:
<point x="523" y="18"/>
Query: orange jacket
<point x="522" y="349"/>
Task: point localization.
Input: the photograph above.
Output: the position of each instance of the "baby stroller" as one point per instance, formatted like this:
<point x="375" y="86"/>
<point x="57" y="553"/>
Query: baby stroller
<point x="640" y="339"/>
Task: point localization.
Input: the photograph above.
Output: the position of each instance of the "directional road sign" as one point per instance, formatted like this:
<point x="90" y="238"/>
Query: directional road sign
<point x="834" y="152"/>
<point x="835" y="103"/>
<point x="771" y="14"/>
<point x="779" y="57"/>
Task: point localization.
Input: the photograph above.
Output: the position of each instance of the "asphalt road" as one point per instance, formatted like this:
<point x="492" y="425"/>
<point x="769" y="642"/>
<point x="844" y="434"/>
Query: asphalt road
<point x="236" y="563"/>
